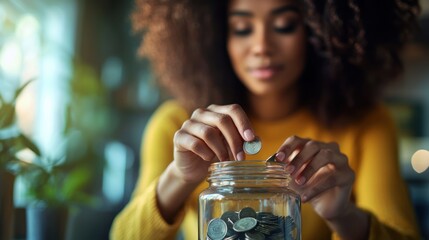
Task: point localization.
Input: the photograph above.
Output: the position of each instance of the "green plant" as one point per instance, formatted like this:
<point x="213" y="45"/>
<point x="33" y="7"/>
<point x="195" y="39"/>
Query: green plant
<point x="62" y="185"/>
<point x="47" y="184"/>
<point x="11" y="139"/>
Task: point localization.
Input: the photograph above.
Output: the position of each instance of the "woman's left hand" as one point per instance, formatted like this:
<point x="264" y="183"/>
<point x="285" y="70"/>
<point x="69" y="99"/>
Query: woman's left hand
<point x="320" y="174"/>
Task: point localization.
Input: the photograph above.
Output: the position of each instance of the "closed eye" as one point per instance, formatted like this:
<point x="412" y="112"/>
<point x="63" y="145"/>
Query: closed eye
<point x="242" y="33"/>
<point x="287" y="29"/>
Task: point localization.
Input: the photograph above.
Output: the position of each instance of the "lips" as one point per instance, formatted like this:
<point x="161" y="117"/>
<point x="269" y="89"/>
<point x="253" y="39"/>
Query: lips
<point x="265" y="72"/>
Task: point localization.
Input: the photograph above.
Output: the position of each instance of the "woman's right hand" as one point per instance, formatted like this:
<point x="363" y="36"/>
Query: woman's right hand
<point x="211" y="134"/>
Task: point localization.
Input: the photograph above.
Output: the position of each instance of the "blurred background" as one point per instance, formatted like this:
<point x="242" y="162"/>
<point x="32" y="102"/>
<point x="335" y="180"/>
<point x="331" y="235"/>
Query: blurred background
<point x="87" y="100"/>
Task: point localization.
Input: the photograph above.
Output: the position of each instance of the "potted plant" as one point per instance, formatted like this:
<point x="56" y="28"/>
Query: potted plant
<point x="11" y="142"/>
<point x="52" y="193"/>
<point x="52" y="185"/>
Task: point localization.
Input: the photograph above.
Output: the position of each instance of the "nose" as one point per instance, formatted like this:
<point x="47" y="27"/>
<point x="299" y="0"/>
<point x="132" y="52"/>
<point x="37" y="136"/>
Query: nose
<point x="262" y="44"/>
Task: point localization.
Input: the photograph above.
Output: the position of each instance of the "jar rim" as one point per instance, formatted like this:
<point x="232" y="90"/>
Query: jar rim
<point x="259" y="169"/>
<point x="248" y="162"/>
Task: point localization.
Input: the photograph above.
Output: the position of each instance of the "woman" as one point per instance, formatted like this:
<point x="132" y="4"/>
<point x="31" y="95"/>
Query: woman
<point x="304" y="76"/>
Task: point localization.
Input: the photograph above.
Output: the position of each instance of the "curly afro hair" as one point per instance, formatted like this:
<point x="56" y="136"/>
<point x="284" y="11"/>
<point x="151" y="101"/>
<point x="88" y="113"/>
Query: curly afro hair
<point x="353" y="47"/>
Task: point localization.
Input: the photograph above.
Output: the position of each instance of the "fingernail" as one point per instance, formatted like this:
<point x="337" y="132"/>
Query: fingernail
<point x="280" y="156"/>
<point x="240" y="156"/>
<point x="248" y="135"/>
<point x="300" y="180"/>
<point x="289" y="169"/>
<point x="304" y="198"/>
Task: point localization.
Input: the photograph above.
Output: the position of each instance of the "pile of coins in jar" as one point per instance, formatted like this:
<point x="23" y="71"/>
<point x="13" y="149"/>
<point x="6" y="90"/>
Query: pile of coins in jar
<point x="252" y="225"/>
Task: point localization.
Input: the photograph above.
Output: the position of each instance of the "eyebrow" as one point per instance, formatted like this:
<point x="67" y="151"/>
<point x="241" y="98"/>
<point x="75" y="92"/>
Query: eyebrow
<point x="287" y="8"/>
<point x="276" y="11"/>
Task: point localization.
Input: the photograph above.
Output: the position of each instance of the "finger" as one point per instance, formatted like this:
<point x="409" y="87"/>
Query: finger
<point x="239" y="117"/>
<point x="308" y="151"/>
<point x="328" y="154"/>
<point x="226" y="126"/>
<point x="326" y="178"/>
<point x="323" y="185"/>
<point x="340" y="160"/>
<point x="323" y="158"/>
<point x="210" y="135"/>
<point x="334" y="146"/>
<point x="186" y="142"/>
<point x="230" y="154"/>
<point x="291" y="146"/>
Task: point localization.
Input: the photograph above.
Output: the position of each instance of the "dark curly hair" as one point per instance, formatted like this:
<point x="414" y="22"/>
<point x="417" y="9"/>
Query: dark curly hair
<point x="353" y="47"/>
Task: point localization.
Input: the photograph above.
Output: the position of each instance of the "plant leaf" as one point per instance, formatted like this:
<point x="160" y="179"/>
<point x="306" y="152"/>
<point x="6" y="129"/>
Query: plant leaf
<point x="14" y="145"/>
<point x="4" y="157"/>
<point x="17" y="167"/>
<point x="19" y="90"/>
<point x="7" y="115"/>
<point x="75" y="181"/>
<point x="28" y="143"/>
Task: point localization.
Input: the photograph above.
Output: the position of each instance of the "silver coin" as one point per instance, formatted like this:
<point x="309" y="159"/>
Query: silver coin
<point x="217" y="229"/>
<point x="280" y="236"/>
<point x="289" y="226"/>
<point x="252" y="147"/>
<point x="263" y="229"/>
<point x="288" y="221"/>
<point x="230" y="217"/>
<point x="247" y="212"/>
<point x="231" y="237"/>
<point x="254" y="235"/>
<point x="245" y="224"/>
<point x="264" y="215"/>
<point x="272" y="158"/>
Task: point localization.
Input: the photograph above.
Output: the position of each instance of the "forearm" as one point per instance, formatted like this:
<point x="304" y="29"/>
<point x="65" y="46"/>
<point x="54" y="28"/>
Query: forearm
<point x="353" y="224"/>
<point x="172" y="193"/>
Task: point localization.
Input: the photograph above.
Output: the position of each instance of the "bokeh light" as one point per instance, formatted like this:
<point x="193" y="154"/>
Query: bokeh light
<point x="420" y="161"/>
<point x="10" y="58"/>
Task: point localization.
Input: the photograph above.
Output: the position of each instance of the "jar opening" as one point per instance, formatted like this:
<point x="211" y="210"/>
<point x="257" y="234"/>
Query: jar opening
<point x="247" y="170"/>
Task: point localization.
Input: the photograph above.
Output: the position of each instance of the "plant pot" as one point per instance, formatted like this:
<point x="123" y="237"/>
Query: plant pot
<point x="7" y="181"/>
<point x="46" y="223"/>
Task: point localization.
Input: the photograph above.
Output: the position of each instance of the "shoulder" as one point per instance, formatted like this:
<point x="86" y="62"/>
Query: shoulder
<point x="170" y="110"/>
<point x="169" y="114"/>
<point x="378" y="124"/>
<point x="379" y="115"/>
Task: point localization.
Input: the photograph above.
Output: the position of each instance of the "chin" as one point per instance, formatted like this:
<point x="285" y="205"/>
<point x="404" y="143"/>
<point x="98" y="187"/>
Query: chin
<point x="261" y="91"/>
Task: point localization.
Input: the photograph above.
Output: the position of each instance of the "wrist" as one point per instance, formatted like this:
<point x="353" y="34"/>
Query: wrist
<point x="185" y="180"/>
<point x="172" y="192"/>
<point x="353" y="223"/>
<point x="347" y="212"/>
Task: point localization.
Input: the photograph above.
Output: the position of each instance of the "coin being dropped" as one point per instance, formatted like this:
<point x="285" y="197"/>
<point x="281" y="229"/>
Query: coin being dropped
<point x="272" y="158"/>
<point x="217" y="229"/>
<point x="252" y="147"/>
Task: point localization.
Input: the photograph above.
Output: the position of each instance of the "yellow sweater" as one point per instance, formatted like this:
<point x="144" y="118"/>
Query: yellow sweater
<point x="371" y="147"/>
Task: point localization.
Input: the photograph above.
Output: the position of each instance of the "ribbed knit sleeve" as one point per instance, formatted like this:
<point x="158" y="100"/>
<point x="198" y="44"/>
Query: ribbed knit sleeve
<point x="379" y="230"/>
<point x="141" y="218"/>
<point x="379" y="187"/>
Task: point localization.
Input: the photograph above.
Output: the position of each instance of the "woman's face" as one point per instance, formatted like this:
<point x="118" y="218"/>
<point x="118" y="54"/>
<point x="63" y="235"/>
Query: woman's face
<point x="266" y="44"/>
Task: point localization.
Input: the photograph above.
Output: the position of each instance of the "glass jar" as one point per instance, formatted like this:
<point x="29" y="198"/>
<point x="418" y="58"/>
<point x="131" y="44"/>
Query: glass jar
<point x="249" y="200"/>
